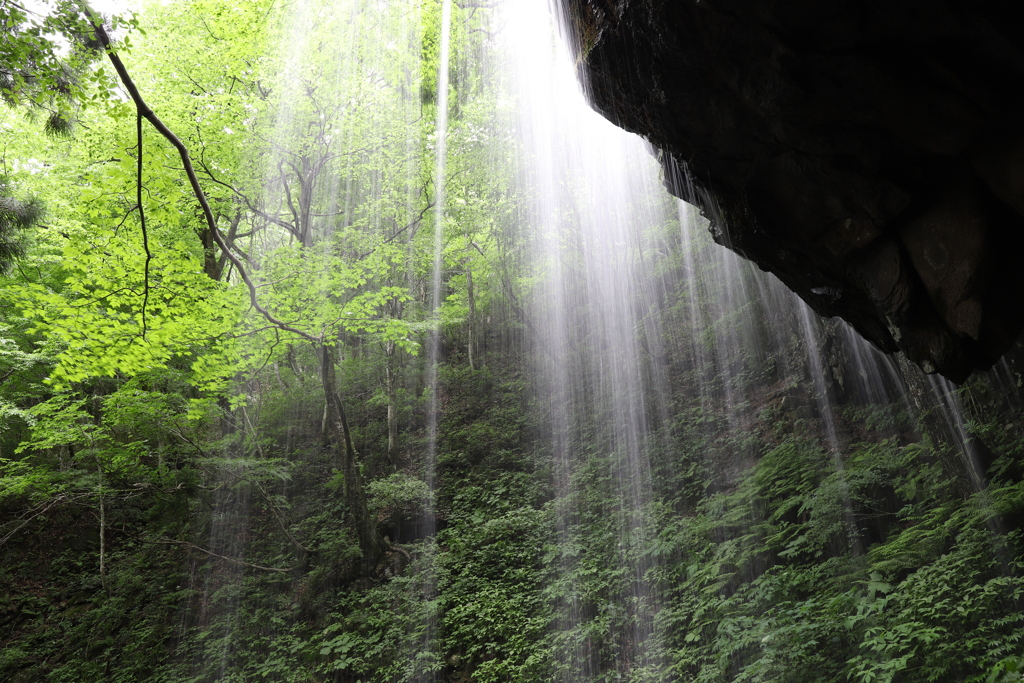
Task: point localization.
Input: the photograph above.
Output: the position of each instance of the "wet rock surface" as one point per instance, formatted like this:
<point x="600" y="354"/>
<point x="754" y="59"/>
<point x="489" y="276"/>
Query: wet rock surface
<point x="869" y="154"/>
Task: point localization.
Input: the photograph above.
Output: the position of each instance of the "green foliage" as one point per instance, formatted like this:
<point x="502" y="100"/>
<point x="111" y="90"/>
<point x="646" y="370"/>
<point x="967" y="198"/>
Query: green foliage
<point x="1006" y="671"/>
<point x="397" y="492"/>
<point x="491" y="584"/>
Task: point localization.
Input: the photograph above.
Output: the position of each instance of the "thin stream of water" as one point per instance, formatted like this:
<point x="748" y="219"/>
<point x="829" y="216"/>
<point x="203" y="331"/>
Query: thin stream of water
<point x="440" y="158"/>
<point x="429" y="585"/>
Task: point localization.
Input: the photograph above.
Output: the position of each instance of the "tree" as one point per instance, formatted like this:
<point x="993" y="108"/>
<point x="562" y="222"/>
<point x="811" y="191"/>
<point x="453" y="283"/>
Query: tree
<point x="307" y="200"/>
<point x="121" y="314"/>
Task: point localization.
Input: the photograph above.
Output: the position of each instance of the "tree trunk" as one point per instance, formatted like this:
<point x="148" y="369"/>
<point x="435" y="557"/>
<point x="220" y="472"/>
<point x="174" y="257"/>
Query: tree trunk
<point x="370" y="541"/>
<point x="389" y="388"/>
<point x="103" y="544"/>
<point x="472" y="313"/>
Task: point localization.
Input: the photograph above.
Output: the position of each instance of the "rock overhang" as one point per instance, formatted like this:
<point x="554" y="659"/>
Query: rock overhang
<point x="869" y="154"/>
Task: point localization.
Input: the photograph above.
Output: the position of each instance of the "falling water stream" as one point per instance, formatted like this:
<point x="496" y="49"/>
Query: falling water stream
<point x="440" y="157"/>
<point x="595" y="191"/>
<point x="598" y="208"/>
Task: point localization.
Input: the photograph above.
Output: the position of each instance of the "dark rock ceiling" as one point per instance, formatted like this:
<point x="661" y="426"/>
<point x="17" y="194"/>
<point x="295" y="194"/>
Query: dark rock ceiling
<point x="870" y="154"/>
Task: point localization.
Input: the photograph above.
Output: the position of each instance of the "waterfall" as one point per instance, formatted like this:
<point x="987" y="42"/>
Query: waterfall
<point x="585" y="440"/>
<point x="611" y="343"/>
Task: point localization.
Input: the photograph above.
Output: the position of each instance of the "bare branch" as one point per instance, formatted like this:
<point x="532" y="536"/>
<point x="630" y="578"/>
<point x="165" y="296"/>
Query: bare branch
<point x="248" y="202"/>
<point x="299" y="227"/>
<point x="416" y="221"/>
<point x="142" y="222"/>
<point x="243" y="563"/>
<point x="40" y="509"/>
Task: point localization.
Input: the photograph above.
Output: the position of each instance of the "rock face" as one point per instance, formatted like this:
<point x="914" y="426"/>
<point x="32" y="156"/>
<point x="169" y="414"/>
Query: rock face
<point x="870" y="154"/>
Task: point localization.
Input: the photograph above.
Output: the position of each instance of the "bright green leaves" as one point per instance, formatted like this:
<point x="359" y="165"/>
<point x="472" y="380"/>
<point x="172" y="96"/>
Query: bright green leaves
<point x="366" y="314"/>
<point x="316" y="291"/>
<point x="107" y="321"/>
<point x="430" y="46"/>
<point x="61" y="421"/>
<point x="398" y="494"/>
<point x="339" y="649"/>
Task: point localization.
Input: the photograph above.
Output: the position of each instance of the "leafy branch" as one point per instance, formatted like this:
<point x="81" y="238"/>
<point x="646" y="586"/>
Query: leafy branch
<point x="145" y="112"/>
